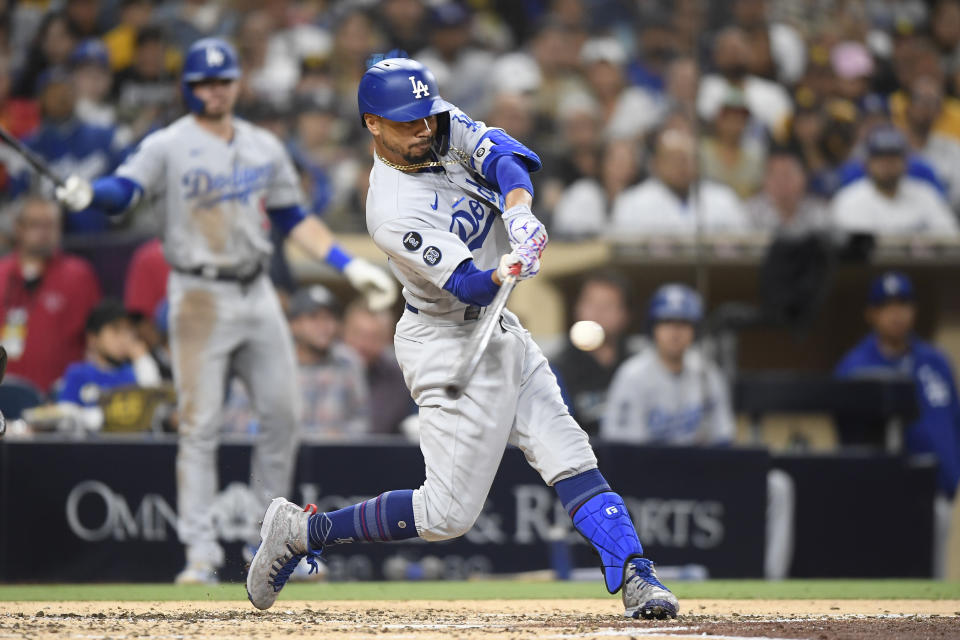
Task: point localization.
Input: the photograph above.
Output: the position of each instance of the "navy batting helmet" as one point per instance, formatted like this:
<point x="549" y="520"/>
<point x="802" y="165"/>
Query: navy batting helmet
<point x="207" y="59"/>
<point x="675" y="302"/>
<point x="399" y="89"/>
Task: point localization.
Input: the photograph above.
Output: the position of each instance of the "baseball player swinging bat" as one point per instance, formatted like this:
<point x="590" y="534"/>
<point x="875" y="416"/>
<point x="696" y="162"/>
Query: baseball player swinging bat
<point x="39" y="164"/>
<point x="450" y="205"/>
<point x="478" y="340"/>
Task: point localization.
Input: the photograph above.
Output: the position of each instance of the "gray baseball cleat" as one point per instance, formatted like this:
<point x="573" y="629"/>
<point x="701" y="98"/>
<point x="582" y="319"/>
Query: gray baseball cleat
<point x="644" y="596"/>
<point x="283" y="544"/>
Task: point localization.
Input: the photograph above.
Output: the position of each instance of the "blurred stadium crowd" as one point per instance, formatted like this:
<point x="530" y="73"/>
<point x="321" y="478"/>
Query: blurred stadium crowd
<point x="653" y="117"/>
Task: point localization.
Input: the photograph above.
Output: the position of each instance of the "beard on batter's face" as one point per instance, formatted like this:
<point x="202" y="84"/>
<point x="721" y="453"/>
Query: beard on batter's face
<point x="412" y="152"/>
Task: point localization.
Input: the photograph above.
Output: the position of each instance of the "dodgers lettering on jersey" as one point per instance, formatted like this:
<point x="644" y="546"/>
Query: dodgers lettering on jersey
<point x="648" y="403"/>
<point x="429" y="222"/>
<point x="215" y="193"/>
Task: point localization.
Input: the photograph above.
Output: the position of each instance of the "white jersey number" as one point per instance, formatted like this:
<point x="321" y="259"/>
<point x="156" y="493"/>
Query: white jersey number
<point x="419" y="89"/>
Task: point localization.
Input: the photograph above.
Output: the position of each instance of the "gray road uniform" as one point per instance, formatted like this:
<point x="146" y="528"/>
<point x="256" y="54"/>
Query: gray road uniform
<point x="648" y="403"/>
<point x="429" y="222"/>
<point x="224" y="312"/>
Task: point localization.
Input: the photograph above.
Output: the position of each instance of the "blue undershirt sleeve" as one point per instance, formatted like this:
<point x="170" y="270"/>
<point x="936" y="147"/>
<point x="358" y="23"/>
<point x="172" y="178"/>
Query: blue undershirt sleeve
<point x="471" y="285"/>
<point x="511" y="173"/>
<point x="113" y="194"/>
<point x="286" y="218"/>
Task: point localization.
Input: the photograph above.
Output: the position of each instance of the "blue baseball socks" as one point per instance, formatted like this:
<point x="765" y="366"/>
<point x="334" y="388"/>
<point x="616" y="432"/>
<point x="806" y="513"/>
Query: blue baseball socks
<point x="387" y="517"/>
<point x="601" y="517"/>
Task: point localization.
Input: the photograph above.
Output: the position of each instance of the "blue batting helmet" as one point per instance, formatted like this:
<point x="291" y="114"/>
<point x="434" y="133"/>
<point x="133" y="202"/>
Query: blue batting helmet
<point x="675" y="302"/>
<point x="399" y="89"/>
<point x="207" y="59"/>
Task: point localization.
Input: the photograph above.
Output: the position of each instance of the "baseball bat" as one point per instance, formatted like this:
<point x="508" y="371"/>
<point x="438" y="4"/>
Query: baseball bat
<point x="479" y="339"/>
<point x="39" y="164"/>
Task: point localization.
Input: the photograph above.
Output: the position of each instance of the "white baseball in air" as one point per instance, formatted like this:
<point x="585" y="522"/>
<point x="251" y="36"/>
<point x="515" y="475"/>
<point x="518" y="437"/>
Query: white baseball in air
<point x="586" y="335"/>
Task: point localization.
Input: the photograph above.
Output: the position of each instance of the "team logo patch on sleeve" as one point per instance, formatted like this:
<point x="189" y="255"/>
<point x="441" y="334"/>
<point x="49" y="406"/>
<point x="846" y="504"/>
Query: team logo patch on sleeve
<point x="432" y="255"/>
<point x="412" y="240"/>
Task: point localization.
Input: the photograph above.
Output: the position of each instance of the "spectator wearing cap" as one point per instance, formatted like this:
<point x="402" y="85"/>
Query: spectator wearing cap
<point x="888" y="202"/>
<point x="93" y="80"/>
<point x="628" y="111"/>
<point x="892" y="349"/>
<point x="728" y="155"/>
<point x="45" y="296"/>
<point x="115" y="357"/>
<point x="853" y="68"/>
<point x="335" y="399"/>
<point x="370" y="335"/>
<point x="666" y="203"/>
<point x="332" y="382"/>
<point x="768" y="101"/>
<point x="940" y="150"/>
<point x="784" y="207"/>
<point x="670" y="393"/>
<point x="461" y="68"/>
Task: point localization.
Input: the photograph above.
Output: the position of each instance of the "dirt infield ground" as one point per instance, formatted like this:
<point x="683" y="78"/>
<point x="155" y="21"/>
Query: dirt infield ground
<point x="480" y="620"/>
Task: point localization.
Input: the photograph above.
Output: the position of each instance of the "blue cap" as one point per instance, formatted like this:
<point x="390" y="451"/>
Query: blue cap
<point x="886" y="140"/>
<point x="675" y="302"/>
<point x="90" y="51"/>
<point x="892" y="285"/>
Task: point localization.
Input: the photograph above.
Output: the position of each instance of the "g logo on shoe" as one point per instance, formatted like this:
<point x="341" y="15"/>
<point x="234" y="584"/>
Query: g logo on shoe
<point x="412" y="240"/>
<point x="432" y="255"/>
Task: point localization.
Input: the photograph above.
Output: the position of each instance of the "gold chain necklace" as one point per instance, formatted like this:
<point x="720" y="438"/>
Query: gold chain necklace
<point x="462" y="157"/>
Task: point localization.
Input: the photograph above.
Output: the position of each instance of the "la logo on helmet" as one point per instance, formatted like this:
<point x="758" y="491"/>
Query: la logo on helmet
<point x="419" y="89"/>
<point x="214" y="57"/>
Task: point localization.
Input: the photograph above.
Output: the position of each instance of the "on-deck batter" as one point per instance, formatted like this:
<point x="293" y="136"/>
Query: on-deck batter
<point x="221" y="182"/>
<point x="449" y="203"/>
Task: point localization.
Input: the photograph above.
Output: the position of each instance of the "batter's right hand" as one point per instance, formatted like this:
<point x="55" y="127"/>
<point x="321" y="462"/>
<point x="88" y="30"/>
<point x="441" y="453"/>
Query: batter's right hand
<point x="75" y="193"/>
<point x="522" y="264"/>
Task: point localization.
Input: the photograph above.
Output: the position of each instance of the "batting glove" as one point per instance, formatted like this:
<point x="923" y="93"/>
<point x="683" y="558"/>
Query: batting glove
<point x="524" y="230"/>
<point x="373" y="282"/>
<point x="518" y="264"/>
<point x="75" y="193"/>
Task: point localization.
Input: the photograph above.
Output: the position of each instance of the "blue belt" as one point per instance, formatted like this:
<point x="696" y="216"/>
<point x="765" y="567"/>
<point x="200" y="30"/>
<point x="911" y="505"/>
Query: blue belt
<point x="470" y="313"/>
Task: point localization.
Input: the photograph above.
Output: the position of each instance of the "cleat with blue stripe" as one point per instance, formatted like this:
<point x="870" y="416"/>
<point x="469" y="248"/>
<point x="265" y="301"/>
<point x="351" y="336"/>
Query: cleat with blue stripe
<point x="644" y="596"/>
<point x="283" y="544"/>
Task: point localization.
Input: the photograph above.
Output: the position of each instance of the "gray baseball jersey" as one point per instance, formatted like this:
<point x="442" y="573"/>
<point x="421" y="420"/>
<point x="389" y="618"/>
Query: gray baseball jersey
<point x="214" y="193"/>
<point x="430" y="221"/>
<point x="648" y="403"/>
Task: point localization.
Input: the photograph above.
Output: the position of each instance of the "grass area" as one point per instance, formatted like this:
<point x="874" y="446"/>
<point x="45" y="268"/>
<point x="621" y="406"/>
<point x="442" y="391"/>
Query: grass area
<point x="492" y="589"/>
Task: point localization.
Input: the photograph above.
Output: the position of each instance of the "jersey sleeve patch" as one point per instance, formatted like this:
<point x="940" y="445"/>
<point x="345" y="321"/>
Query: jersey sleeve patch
<point x="412" y="241"/>
<point x="432" y="255"/>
